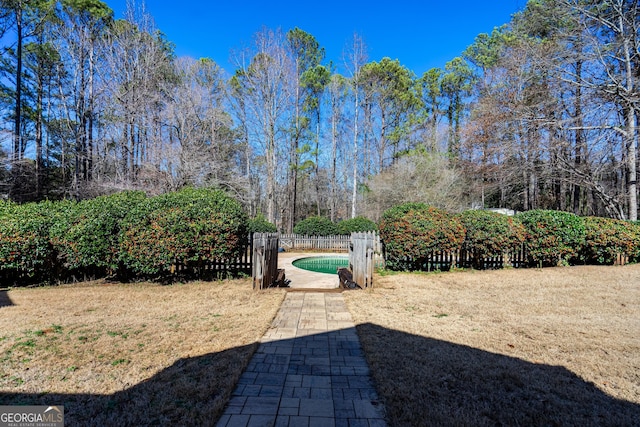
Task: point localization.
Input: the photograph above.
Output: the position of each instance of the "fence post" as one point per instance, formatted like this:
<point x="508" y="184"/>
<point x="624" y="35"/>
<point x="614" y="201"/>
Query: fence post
<point x="264" y="269"/>
<point x="361" y="258"/>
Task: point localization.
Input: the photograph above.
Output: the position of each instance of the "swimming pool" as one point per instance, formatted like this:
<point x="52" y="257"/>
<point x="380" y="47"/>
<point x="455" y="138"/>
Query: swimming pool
<point x="322" y="264"/>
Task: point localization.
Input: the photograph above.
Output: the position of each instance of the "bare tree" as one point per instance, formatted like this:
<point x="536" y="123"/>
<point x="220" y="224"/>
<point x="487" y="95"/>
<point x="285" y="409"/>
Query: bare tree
<point x="203" y="146"/>
<point x="266" y="86"/>
<point x="355" y="56"/>
<point x="137" y="66"/>
<point x="611" y="29"/>
<point x="543" y="131"/>
<point x="338" y="93"/>
<point x="77" y="38"/>
<point x="418" y="177"/>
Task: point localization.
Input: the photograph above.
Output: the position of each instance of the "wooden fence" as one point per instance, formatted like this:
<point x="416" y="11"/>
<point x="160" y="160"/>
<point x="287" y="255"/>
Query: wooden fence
<point x="514" y="258"/>
<point x="444" y="261"/>
<point x="328" y="243"/>
<point x="218" y="268"/>
<point x="362" y="251"/>
<point x="265" y="260"/>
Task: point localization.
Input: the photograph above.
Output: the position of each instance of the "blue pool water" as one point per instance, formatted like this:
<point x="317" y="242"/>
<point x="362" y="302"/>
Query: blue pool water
<point x="322" y="264"/>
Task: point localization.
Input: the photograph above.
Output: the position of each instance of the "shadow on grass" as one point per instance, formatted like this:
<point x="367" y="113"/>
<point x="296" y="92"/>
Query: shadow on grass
<point x="422" y="382"/>
<point x="425" y="381"/>
<point x="192" y="391"/>
<point x="5" y="301"/>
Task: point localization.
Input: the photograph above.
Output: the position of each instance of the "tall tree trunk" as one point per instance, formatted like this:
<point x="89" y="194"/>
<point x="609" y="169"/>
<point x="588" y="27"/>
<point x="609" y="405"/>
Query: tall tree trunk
<point x="18" y="144"/>
<point x="631" y="131"/>
<point x="334" y="158"/>
<point x="533" y="189"/>
<point x="434" y="130"/>
<point x="124" y="155"/>
<point x="580" y="143"/>
<point x="525" y="192"/>
<point x="90" y="114"/>
<point x="17" y="136"/>
<point x="317" y="166"/>
<point x="39" y="119"/>
<point x="451" y="142"/>
<point x="632" y="165"/>
<point x="355" y="153"/>
<point x="81" y="128"/>
<point x="271" y="180"/>
<point x="383" y="141"/>
<point x="367" y="135"/>
<point x="131" y="151"/>
<point x="294" y="156"/>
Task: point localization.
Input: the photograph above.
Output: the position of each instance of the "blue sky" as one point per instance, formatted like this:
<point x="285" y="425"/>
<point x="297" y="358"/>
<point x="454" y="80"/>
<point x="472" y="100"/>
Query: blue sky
<point x="421" y="34"/>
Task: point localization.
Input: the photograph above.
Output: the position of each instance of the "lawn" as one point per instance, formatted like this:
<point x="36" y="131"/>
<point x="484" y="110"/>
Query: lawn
<point x="557" y="346"/>
<point x="130" y="354"/>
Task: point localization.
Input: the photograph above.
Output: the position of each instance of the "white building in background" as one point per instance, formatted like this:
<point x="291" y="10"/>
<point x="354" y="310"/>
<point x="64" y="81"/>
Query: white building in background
<point x="504" y="211"/>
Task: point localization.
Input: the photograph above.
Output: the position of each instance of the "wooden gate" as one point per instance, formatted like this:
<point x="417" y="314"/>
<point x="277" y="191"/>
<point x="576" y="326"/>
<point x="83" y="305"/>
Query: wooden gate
<point x="264" y="269"/>
<point x="362" y="252"/>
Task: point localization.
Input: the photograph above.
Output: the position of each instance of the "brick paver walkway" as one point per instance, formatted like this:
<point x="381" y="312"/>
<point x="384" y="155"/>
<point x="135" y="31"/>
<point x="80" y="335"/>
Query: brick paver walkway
<point x="308" y="371"/>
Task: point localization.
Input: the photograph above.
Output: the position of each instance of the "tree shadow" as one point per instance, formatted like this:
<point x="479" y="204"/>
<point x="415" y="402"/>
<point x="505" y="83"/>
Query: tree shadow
<point x="422" y="382"/>
<point x="425" y="381"/>
<point x="5" y="301"/>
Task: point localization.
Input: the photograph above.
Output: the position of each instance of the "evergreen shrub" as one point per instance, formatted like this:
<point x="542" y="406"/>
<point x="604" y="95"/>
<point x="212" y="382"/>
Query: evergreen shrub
<point x="490" y="234"/>
<point x="412" y="231"/>
<point x="316" y="226"/>
<point x="605" y="238"/>
<point x="635" y="255"/>
<point x="25" y="250"/>
<point x="189" y="227"/>
<point x="259" y="224"/>
<point x="86" y="236"/>
<point x="552" y="237"/>
<point x="358" y="224"/>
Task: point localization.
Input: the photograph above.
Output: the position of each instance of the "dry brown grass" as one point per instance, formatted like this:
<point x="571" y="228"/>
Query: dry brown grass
<point x="130" y="354"/>
<point x="557" y="346"/>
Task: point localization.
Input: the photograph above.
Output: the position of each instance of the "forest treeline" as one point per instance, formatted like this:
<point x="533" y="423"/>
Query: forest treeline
<point x="539" y="114"/>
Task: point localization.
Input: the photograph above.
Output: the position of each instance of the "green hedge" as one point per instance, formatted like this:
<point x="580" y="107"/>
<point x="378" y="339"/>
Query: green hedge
<point x="127" y="233"/>
<point x="490" y="234"/>
<point x="635" y="255"/>
<point x="141" y="237"/>
<point x="552" y="237"/>
<point x="189" y="227"/>
<point x="259" y="224"/>
<point x="358" y="224"/>
<point x="86" y="236"/>
<point x="605" y="238"/>
<point x="412" y="231"/>
<point x="316" y="226"/>
<point x="26" y="253"/>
